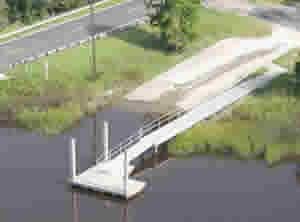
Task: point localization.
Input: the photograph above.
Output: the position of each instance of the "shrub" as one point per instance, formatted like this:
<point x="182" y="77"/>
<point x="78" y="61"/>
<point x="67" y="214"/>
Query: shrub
<point x="51" y="121"/>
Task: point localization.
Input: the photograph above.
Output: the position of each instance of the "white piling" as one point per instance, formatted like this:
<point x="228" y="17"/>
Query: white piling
<point x="72" y="154"/>
<point x="155" y="148"/>
<point x="141" y="133"/>
<point x="125" y="176"/>
<point x="106" y="140"/>
<point x="46" y="69"/>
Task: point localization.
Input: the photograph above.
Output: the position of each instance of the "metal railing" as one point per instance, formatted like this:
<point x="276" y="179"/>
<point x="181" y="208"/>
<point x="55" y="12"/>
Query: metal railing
<point x="144" y="130"/>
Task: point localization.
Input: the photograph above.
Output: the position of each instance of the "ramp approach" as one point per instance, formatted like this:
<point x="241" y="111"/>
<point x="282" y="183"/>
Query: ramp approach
<point x="70" y="34"/>
<point x="113" y="168"/>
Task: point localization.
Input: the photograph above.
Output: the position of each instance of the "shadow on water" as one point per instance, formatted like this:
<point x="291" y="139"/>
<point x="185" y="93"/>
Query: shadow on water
<point x="108" y="202"/>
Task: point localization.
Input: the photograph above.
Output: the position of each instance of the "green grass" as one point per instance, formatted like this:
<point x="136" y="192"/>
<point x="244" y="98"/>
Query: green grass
<point x="264" y="124"/>
<point x="124" y="61"/>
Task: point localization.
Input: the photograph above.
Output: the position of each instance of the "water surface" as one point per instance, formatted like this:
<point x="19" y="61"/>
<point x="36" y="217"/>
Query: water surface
<point x="34" y="171"/>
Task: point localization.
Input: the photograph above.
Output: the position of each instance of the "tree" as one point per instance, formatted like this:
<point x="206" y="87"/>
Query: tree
<point x="57" y="6"/>
<point x="13" y="14"/>
<point x="25" y="7"/>
<point x="26" y="10"/>
<point x="176" y="20"/>
<point x="297" y="70"/>
<point x="41" y="7"/>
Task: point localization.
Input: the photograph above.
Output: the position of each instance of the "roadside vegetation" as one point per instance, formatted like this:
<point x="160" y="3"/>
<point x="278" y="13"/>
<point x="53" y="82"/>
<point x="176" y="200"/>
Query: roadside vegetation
<point x="3" y="15"/>
<point x="265" y="124"/>
<point x="7" y="25"/>
<point x="26" y="11"/>
<point x="176" y="20"/>
<point x="124" y="61"/>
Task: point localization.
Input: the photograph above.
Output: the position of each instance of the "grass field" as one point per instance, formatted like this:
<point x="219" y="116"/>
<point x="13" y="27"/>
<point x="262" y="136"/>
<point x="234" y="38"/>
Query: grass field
<point x="265" y="124"/>
<point x="124" y="61"/>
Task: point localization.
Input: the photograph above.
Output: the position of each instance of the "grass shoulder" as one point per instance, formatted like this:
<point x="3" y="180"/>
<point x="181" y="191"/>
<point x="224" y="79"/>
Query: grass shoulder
<point x="264" y="125"/>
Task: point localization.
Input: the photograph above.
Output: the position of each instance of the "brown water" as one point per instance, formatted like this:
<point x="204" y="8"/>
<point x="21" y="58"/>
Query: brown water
<point x="34" y="171"/>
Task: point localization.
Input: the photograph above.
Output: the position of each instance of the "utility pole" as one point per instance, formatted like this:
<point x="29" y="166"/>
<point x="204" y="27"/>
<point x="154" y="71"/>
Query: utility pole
<point x="93" y="75"/>
<point x="93" y="40"/>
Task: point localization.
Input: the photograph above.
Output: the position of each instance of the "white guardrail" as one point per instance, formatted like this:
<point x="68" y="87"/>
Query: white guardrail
<point x="141" y="132"/>
<point x="49" y="20"/>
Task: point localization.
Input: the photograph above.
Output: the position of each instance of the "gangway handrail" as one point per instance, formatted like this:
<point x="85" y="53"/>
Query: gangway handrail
<point x="141" y="132"/>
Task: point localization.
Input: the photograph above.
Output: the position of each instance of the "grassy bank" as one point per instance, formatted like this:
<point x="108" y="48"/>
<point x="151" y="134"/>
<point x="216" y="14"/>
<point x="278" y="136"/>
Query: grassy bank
<point x="265" y="124"/>
<point x="124" y="61"/>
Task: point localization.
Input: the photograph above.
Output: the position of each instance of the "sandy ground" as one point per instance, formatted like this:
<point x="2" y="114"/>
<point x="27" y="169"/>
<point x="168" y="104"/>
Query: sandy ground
<point x="240" y="6"/>
<point x="213" y="70"/>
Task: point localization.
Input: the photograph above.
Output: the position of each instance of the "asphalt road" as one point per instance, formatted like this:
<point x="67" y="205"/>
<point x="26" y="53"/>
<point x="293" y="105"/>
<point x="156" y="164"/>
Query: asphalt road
<point x="286" y="16"/>
<point x="73" y="31"/>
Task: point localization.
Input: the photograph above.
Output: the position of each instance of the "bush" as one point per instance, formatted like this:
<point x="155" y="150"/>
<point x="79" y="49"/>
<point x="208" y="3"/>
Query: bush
<point x="51" y="121"/>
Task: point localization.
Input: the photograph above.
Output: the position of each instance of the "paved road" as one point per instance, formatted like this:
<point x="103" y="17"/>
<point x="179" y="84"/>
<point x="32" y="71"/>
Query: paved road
<point x="73" y="31"/>
<point x="286" y="16"/>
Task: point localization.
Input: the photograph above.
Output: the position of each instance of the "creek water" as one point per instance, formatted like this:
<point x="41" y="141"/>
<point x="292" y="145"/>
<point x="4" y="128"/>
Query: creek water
<point x="34" y="171"/>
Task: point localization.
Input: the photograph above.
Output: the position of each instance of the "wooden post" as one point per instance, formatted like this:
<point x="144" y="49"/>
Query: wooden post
<point x="125" y="173"/>
<point x="72" y="154"/>
<point x="75" y="203"/>
<point x="106" y="140"/>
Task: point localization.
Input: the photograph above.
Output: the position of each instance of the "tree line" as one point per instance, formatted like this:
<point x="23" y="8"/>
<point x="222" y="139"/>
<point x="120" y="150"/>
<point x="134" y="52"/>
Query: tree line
<point x="28" y="10"/>
<point x="176" y="20"/>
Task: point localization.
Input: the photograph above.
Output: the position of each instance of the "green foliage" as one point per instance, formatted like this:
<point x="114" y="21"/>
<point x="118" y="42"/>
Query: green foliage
<point x="27" y="10"/>
<point x="50" y="121"/>
<point x="176" y="20"/>
<point x="265" y="124"/>
<point x="297" y="71"/>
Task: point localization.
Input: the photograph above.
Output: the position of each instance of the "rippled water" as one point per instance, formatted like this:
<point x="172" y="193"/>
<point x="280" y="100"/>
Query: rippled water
<point x="34" y="171"/>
